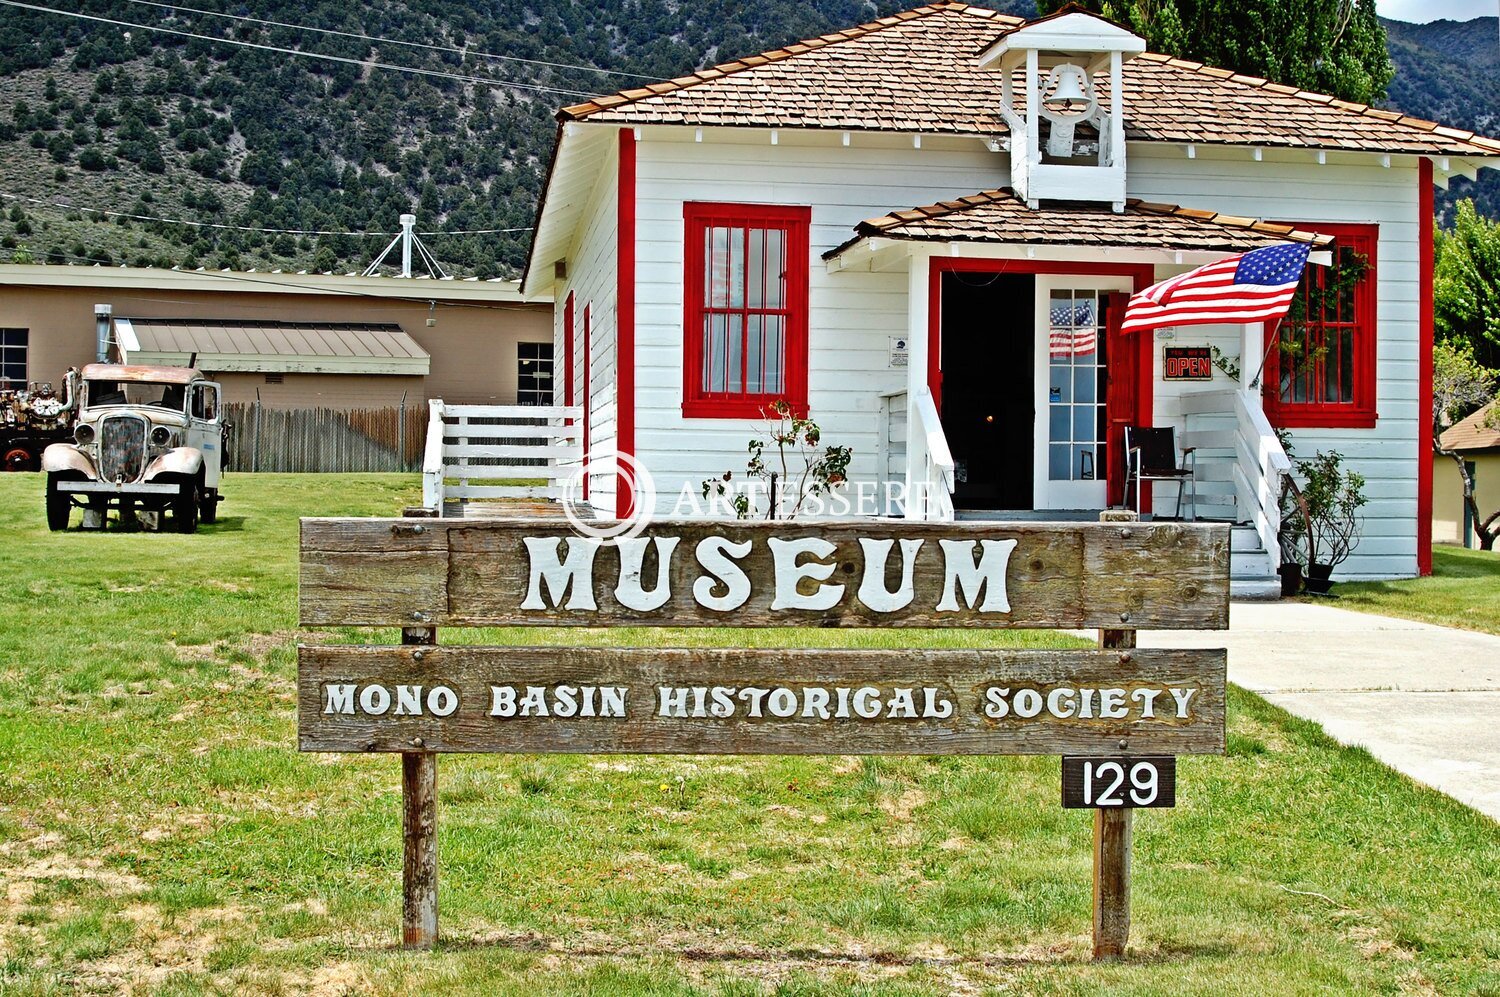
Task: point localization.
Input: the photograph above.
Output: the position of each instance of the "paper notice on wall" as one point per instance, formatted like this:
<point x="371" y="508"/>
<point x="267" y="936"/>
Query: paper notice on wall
<point x="898" y="351"/>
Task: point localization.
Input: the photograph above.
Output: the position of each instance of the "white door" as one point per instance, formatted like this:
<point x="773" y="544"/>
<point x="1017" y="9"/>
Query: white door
<point x="205" y="429"/>
<point x="1071" y="468"/>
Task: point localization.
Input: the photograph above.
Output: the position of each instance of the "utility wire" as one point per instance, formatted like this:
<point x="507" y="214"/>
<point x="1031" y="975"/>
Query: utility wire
<point x="390" y="41"/>
<point x="244" y="228"/>
<point x="264" y="277"/>
<point x="474" y="231"/>
<point x="362" y="63"/>
<point x="184" y="221"/>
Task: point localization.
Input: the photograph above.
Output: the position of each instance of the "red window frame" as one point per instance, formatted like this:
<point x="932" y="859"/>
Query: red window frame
<point x="795" y="221"/>
<point x="1359" y="411"/>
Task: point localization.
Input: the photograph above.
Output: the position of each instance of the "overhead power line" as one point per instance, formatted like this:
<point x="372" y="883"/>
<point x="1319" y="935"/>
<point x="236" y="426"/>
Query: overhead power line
<point x="362" y="63"/>
<point x="245" y="228"/>
<point x="185" y="221"/>
<point x="278" y="279"/>
<point x="390" y="41"/>
<point x="474" y="231"/>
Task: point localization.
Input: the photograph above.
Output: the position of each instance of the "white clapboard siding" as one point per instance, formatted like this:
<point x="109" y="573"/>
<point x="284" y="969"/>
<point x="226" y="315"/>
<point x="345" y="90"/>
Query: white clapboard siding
<point x="853" y="314"/>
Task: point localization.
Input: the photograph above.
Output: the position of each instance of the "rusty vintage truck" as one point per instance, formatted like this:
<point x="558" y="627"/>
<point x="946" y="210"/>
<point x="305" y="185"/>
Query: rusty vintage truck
<point x="149" y="442"/>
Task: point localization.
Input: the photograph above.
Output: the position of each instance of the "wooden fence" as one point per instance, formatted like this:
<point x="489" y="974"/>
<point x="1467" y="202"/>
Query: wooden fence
<point x="324" y="439"/>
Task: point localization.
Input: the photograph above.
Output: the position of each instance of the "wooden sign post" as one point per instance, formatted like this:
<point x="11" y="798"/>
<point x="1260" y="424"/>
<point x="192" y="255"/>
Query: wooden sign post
<point x="422" y="698"/>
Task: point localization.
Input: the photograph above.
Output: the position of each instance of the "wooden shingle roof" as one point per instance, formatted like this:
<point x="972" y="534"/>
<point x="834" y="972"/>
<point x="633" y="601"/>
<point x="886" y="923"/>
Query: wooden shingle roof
<point x="998" y="216"/>
<point x="915" y="71"/>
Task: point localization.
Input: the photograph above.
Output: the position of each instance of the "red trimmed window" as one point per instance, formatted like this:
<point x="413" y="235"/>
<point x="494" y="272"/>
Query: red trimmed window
<point x="1320" y="360"/>
<point x="745" y="308"/>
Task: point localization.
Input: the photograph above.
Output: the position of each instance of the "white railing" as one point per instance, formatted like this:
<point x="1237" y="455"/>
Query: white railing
<point x="432" y="458"/>
<point x="1261" y="467"/>
<point x="932" y="479"/>
<point x="891" y="452"/>
<point x="499" y="452"/>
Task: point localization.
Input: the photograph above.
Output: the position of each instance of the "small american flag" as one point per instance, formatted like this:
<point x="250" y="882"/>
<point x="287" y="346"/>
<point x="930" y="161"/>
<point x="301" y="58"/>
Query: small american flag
<point x="1082" y="338"/>
<point x="1257" y="286"/>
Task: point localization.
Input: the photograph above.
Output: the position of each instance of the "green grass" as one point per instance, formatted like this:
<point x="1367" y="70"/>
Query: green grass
<point x="1462" y="591"/>
<point x="160" y="833"/>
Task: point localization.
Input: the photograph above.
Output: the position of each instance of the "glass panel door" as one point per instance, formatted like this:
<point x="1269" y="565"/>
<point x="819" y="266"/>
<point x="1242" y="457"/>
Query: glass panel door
<point x="1075" y="387"/>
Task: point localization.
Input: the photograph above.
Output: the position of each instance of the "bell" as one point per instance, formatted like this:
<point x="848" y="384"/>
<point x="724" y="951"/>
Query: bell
<point x="1069" y="96"/>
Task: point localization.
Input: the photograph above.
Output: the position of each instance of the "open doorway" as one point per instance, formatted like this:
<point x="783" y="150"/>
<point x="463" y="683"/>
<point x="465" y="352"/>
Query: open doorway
<point x="988" y="344"/>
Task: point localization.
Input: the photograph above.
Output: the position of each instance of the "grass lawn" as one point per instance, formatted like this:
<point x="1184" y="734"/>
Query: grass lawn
<point x="160" y="833"/>
<point x="1462" y="591"/>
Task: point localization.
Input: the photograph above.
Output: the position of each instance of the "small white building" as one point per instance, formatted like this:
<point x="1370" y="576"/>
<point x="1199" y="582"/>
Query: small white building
<point x="747" y="233"/>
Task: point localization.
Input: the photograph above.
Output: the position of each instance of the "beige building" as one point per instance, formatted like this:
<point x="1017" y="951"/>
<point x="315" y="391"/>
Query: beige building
<point x="293" y="340"/>
<point x="1479" y="446"/>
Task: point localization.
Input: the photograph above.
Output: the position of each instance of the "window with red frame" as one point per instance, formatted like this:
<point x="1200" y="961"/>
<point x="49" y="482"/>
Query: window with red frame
<point x="1320" y="359"/>
<point x="745" y="301"/>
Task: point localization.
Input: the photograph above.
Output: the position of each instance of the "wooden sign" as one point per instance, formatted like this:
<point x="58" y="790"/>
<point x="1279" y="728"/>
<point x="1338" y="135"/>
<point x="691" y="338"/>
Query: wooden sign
<point x="1187" y="363"/>
<point x="1120" y="782"/>
<point x="743" y="701"/>
<point x="420" y="699"/>
<point x="414" y="572"/>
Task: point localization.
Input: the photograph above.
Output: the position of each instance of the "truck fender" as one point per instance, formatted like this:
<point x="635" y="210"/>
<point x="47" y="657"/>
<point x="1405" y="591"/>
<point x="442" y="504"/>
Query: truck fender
<point x="66" y="457"/>
<point x="183" y="461"/>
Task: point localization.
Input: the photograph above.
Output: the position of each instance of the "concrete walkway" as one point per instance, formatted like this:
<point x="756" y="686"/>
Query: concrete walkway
<point x="1423" y="699"/>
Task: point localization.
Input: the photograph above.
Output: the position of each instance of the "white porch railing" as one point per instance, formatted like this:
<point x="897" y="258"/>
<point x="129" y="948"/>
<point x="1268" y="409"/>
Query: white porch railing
<point x="1240" y="457"/>
<point x="891" y="452"/>
<point x="930" y="481"/>
<point x="499" y="452"/>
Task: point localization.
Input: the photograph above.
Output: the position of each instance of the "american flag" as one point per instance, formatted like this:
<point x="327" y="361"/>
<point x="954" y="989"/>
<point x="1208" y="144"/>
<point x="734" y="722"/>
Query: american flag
<point x="1257" y="286"/>
<point x="1074" y="333"/>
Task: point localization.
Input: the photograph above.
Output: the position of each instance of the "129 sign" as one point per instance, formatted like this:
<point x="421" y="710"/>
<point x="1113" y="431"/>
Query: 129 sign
<point x="1111" y="783"/>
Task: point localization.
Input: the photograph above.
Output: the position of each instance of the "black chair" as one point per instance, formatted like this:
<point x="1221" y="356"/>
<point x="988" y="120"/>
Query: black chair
<point x="1151" y="454"/>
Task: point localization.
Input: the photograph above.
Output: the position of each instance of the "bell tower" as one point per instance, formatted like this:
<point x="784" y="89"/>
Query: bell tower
<point x="1066" y="142"/>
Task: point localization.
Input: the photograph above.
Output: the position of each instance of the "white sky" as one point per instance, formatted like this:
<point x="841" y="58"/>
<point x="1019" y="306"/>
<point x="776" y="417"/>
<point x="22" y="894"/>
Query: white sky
<point x="1423" y="11"/>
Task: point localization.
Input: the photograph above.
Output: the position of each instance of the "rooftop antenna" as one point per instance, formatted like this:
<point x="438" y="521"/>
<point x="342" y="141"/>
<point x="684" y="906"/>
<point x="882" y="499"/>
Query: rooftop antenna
<point x="407" y="239"/>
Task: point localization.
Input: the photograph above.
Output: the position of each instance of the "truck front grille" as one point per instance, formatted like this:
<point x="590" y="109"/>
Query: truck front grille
<point x="122" y="448"/>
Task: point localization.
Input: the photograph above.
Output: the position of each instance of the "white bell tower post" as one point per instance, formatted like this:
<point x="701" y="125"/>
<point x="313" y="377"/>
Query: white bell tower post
<point x="1059" y="58"/>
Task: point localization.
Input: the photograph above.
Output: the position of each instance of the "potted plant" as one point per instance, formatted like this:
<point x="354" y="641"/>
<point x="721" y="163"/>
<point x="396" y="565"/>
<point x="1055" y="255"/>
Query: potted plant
<point x="1324" y="517"/>
<point x="1289" y="540"/>
<point x="1291" y="534"/>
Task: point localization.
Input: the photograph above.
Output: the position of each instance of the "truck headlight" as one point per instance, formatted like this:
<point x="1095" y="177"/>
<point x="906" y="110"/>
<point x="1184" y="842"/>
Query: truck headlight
<point x="83" y="435"/>
<point x="161" y="436"/>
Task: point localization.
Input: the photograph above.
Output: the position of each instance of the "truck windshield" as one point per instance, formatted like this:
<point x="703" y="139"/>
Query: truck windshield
<point x="167" y="396"/>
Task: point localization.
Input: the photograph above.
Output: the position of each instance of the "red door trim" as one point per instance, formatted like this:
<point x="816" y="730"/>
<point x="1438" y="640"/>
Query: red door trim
<point x="567" y="338"/>
<point x="1142" y="275"/>
<point x="625" y="322"/>
<point x="588" y="397"/>
<point x="1424" y="362"/>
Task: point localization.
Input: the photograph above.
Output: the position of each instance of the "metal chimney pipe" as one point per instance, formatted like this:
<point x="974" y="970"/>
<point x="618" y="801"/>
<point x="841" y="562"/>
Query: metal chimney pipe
<point x="408" y="226"/>
<point x="102" y="315"/>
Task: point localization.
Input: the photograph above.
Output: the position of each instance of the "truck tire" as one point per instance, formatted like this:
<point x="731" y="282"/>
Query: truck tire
<point x="185" y="508"/>
<point x="208" y="506"/>
<point x="59" y="505"/>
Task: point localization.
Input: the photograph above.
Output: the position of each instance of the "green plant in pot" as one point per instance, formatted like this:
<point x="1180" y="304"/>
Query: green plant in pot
<point x="1324" y="517"/>
<point x="1291" y="536"/>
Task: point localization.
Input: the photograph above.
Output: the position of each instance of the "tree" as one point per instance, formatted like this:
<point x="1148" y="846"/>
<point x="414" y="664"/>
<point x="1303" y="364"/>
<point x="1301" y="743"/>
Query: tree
<point x="1466" y="284"/>
<point x="1329" y="46"/>
<point x="1460" y="386"/>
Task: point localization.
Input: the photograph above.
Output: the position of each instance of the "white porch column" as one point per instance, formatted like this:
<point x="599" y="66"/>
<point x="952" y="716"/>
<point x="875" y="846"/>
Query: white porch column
<point x="1252" y="353"/>
<point x="917" y="317"/>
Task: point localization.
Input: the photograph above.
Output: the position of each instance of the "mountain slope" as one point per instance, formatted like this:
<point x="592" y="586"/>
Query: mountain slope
<point x="231" y="138"/>
<point x="1449" y="71"/>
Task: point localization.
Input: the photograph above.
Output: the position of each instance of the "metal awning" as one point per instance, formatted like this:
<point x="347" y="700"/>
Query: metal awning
<point x="231" y="345"/>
